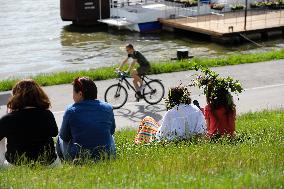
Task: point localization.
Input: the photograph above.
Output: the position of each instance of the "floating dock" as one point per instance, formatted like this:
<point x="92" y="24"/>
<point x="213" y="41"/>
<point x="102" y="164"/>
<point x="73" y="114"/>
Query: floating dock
<point x="229" y="24"/>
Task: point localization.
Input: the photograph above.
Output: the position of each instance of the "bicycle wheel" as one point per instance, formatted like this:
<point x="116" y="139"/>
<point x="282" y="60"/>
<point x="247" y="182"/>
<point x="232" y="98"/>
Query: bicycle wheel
<point x="153" y="92"/>
<point x="116" y="95"/>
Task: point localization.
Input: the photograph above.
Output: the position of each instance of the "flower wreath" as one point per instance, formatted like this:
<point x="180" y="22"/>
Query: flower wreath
<point x="212" y="84"/>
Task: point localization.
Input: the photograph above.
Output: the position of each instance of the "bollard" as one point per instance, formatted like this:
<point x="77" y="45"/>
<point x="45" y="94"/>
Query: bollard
<point x="182" y="54"/>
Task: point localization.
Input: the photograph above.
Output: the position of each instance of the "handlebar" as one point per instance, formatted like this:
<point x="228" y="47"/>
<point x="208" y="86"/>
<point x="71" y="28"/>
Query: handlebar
<point x="122" y="73"/>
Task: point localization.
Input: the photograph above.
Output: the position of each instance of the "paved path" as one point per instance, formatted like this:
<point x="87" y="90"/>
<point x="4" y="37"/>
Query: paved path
<point x="264" y="84"/>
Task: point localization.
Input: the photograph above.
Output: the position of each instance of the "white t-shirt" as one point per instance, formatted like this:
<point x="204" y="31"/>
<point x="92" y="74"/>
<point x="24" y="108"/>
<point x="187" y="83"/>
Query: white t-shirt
<point x="182" y="121"/>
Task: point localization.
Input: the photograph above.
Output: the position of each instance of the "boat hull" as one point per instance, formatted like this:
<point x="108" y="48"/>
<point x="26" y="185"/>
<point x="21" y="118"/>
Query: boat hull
<point x="149" y="27"/>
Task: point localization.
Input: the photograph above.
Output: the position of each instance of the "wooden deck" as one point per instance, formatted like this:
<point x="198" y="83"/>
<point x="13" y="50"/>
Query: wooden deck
<point x="229" y="24"/>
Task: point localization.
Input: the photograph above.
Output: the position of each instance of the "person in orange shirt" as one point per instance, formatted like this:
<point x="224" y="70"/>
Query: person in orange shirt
<point x="220" y="114"/>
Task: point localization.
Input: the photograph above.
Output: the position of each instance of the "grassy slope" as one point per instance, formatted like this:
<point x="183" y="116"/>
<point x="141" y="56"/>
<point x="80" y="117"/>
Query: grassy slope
<point x="164" y="67"/>
<point x="255" y="160"/>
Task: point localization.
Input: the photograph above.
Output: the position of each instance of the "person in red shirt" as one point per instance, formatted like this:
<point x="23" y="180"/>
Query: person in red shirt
<point x="220" y="114"/>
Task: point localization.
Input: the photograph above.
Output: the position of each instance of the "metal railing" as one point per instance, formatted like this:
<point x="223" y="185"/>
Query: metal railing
<point x="234" y="21"/>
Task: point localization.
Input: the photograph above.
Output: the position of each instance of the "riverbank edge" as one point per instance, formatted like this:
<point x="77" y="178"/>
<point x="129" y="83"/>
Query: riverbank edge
<point x="105" y="73"/>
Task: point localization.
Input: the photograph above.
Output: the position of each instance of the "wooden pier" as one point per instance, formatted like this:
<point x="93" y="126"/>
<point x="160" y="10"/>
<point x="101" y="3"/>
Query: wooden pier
<point x="230" y="24"/>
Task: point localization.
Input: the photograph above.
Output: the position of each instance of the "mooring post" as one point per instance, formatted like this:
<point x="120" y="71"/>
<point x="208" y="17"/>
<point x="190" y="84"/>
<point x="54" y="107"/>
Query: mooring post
<point x="198" y="7"/>
<point x="100" y="2"/>
<point x="246" y="12"/>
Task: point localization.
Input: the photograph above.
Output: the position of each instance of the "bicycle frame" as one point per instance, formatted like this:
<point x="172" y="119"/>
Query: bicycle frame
<point x="128" y="84"/>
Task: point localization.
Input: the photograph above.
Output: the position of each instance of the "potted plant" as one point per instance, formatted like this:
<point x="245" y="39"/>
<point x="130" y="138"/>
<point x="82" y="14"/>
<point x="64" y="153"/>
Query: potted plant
<point x="237" y="7"/>
<point x="253" y="5"/>
<point x="260" y="4"/>
<point x="188" y="3"/>
<point x="275" y="5"/>
<point x="268" y="4"/>
<point x="278" y="4"/>
<point x="281" y="3"/>
<point x="193" y="3"/>
<point x="217" y="6"/>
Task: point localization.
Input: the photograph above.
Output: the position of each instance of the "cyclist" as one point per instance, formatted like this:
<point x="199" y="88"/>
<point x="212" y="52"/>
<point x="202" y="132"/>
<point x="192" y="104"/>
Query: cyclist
<point x="144" y="67"/>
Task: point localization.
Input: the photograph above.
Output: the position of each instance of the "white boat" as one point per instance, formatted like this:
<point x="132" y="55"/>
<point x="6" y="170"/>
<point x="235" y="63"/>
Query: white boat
<point x="143" y="16"/>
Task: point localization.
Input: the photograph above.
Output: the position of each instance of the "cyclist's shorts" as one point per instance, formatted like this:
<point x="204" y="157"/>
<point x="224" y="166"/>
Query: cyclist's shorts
<point x="142" y="70"/>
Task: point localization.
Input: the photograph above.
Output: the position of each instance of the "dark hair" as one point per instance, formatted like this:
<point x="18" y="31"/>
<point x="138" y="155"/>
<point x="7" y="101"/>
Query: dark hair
<point x="130" y="46"/>
<point x="86" y="86"/>
<point x="222" y="98"/>
<point x="178" y="95"/>
<point x="27" y="93"/>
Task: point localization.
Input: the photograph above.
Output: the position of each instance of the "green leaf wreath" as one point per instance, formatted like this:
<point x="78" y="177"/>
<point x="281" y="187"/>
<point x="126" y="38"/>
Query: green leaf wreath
<point x="212" y="84"/>
<point x="176" y="96"/>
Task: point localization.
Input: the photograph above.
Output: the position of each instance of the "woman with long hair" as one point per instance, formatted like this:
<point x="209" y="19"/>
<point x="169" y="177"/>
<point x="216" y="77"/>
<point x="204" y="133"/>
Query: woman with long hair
<point x="220" y="113"/>
<point x="29" y="126"/>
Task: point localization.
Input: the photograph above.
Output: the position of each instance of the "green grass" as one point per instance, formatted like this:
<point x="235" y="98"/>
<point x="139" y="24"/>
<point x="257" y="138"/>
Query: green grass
<point x="253" y="160"/>
<point x="157" y="68"/>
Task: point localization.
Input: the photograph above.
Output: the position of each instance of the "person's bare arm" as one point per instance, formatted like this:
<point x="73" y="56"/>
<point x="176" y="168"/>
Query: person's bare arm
<point x="131" y="65"/>
<point x="122" y="64"/>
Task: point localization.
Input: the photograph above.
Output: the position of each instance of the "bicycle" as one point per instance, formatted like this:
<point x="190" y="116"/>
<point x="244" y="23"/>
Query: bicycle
<point x="117" y="95"/>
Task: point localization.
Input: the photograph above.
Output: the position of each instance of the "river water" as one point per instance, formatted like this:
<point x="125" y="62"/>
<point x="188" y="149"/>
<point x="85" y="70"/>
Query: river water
<point x="34" y="40"/>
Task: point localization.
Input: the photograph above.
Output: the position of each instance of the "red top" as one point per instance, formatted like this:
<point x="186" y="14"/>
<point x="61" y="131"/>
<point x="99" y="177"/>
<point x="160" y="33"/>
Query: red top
<point x="223" y="123"/>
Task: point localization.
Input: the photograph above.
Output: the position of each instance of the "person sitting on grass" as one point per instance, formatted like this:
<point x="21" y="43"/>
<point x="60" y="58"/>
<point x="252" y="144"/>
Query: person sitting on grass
<point x="220" y="114"/>
<point x="181" y="121"/>
<point x="29" y="127"/>
<point x="220" y="111"/>
<point x="144" y="67"/>
<point x="88" y="125"/>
